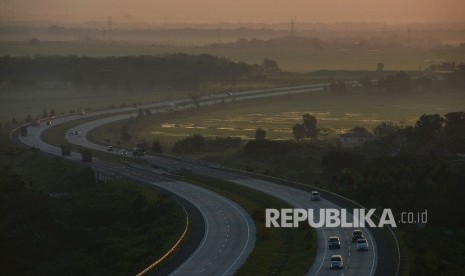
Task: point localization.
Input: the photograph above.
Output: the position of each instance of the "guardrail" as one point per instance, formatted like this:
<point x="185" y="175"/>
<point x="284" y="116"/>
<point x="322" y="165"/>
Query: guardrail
<point x="171" y="251"/>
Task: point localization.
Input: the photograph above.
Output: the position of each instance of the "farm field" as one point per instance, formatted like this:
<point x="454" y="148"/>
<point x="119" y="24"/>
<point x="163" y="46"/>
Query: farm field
<point x="277" y="115"/>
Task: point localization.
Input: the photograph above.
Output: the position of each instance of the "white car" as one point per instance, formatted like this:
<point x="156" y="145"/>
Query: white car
<point x="362" y="245"/>
<point x="337" y="262"/>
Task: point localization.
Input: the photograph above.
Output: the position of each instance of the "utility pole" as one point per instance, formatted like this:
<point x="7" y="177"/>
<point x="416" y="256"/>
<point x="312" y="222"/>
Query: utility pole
<point x="110" y="23"/>
<point x="292" y="27"/>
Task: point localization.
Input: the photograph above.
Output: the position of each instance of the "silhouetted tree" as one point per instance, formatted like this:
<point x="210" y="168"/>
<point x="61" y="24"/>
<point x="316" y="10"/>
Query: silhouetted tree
<point x="156" y="146"/>
<point x="429" y="125"/>
<point x="270" y="66"/>
<point x="309" y="122"/>
<point x="386" y="129"/>
<point x="260" y="134"/>
<point x="299" y="131"/>
<point x="398" y="83"/>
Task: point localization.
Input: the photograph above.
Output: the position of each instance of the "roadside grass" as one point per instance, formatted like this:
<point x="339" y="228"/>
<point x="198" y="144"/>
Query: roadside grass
<point x="277" y="251"/>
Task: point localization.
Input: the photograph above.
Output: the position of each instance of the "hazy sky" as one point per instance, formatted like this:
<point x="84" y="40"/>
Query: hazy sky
<point x="389" y="11"/>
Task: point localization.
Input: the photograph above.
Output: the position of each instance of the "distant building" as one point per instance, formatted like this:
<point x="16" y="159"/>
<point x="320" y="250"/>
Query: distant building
<point x="355" y="139"/>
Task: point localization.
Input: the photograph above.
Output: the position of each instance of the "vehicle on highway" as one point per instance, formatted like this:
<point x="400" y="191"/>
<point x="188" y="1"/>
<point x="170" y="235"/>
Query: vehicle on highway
<point x="316" y="196"/>
<point x="334" y="243"/>
<point x="357" y="234"/>
<point x="124" y="152"/>
<point x="362" y="245"/>
<point x="110" y="148"/>
<point x="337" y="262"/>
<point x="49" y="122"/>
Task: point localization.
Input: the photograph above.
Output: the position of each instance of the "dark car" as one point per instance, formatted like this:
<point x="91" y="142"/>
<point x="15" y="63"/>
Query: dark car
<point x="357" y="234"/>
<point x="337" y="262"/>
<point x="334" y="243"/>
<point x="315" y="196"/>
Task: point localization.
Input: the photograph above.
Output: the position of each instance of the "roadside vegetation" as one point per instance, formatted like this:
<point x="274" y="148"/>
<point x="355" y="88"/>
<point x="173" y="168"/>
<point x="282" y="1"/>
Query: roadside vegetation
<point x="277" y="251"/>
<point x="56" y="220"/>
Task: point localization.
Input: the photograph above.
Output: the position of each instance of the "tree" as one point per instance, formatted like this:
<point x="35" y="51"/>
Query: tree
<point x="455" y="131"/>
<point x="429" y="125"/>
<point x="260" y="134"/>
<point x="28" y="119"/>
<point x="310" y="126"/>
<point x="44" y="114"/>
<point x="299" y="131"/>
<point x="398" y="83"/>
<point x="270" y="66"/>
<point x="156" y="146"/>
<point x="455" y="124"/>
<point x="380" y="67"/>
<point x="386" y="129"/>
<point x="148" y="113"/>
<point x="52" y="113"/>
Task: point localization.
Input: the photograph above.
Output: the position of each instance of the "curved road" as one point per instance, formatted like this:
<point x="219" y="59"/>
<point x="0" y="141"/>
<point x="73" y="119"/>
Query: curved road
<point x="229" y="231"/>
<point x="356" y="263"/>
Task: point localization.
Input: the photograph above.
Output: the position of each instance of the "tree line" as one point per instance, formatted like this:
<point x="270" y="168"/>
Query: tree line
<point x="172" y="70"/>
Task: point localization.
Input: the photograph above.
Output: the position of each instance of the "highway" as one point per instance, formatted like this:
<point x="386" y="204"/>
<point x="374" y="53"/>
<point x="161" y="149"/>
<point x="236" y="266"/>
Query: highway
<point x="229" y="234"/>
<point x="356" y="263"/>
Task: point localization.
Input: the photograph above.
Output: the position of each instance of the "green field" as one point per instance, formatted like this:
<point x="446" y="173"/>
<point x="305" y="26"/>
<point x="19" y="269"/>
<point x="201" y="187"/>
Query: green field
<point x="277" y="115"/>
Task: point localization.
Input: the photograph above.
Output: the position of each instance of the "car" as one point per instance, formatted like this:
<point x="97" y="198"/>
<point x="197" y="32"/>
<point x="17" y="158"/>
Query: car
<point x="362" y="245"/>
<point x="110" y="148"/>
<point x="337" y="262"/>
<point x="334" y="243"/>
<point x="357" y="234"/>
<point x="315" y="196"/>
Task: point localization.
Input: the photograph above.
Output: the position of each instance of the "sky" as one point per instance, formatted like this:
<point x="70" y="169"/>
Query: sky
<point x="257" y="11"/>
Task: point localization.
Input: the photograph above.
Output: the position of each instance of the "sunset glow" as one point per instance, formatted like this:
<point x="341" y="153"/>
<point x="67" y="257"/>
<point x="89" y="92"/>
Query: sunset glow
<point x="263" y="11"/>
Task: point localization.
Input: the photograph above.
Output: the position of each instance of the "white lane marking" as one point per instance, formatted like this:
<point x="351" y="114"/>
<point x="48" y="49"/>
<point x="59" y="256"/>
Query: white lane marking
<point x="248" y="234"/>
<point x="374" y="252"/>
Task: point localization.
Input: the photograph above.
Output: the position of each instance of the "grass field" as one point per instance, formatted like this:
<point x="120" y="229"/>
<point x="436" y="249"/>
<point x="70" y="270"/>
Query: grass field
<point x="277" y="115"/>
